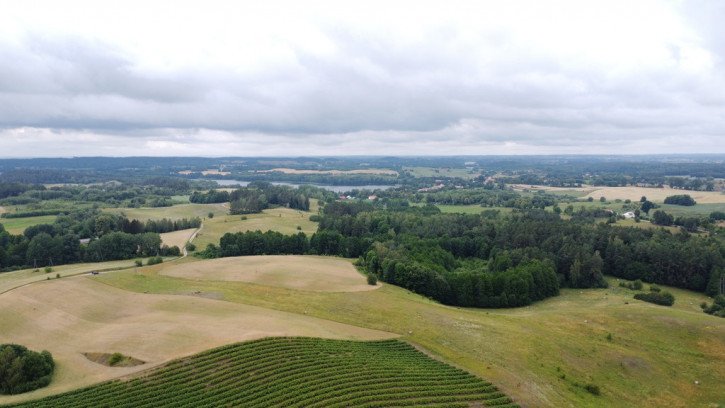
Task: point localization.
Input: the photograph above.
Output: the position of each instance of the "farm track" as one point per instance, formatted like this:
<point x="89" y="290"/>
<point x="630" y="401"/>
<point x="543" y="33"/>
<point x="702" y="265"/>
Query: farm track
<point x="294" y="372"/>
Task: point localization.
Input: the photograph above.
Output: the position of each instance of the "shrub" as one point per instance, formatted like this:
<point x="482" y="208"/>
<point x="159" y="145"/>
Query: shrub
<point x="244" y="217"/>
<point x="155" y="260"/>
<point x="654" y="288"/>
<point x="592" y="389"/>
<point x="372" y="279"/>
<point x="48" y="269"/>
<point x="211" y="215"/>
<point x="190" y="246"/>
<point x="115" y="359"/>
<point x="637" y="285"/>
<point x="138" y="262"/>
<point x="660" y="298"/>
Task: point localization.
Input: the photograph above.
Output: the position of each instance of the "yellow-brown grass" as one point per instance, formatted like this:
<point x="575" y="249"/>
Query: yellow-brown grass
<point x="314" y="273"/>
<point x="178" y="238"/>
<point x="71" y="316"/>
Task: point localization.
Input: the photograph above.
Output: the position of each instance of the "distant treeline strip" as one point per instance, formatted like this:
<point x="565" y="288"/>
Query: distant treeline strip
<point x="35" y="213"/>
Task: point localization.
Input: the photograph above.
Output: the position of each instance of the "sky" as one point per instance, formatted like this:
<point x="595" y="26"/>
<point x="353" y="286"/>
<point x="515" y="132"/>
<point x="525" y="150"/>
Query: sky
<point x="332" y="78"/>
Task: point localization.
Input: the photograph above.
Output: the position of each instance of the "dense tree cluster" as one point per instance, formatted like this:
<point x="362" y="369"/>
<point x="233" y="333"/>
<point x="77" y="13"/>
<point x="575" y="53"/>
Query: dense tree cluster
<point x="210" y="197"/>
<point x="112" y="194"/>
<point x="489" y="260"/>
<point x="258" y="196"/>
<point x="23" y="370"/>
<point x="110" y="237"/>
<point x="680" y="199"/>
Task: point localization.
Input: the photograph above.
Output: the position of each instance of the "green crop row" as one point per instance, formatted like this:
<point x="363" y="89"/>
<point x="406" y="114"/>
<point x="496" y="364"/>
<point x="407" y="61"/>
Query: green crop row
<point x="294" y="372"/>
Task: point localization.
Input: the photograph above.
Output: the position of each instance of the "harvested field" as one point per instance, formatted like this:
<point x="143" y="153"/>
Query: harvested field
<point x="656" y="195"/>
<point x="71" y="316"/>
<point x="313" y="273"/>
<point x="178" y="238"/>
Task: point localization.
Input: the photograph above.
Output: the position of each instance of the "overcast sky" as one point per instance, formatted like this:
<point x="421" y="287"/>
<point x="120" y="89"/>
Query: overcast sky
<point x="218" y="78"/>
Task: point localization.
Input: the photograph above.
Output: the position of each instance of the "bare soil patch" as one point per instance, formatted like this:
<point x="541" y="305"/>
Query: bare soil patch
<point x="313" y="273"/>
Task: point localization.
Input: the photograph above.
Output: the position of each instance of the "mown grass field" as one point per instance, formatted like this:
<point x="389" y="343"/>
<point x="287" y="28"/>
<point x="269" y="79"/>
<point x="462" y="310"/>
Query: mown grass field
<point x="314" y="273"/>
<point x="295" y="372"/>
<point x="17" y="226"/>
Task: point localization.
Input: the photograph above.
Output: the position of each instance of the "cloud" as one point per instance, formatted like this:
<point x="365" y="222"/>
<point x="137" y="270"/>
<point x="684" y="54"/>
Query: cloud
<point x="408" y="77"/>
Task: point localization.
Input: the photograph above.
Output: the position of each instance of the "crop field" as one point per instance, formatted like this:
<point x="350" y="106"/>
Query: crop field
<point x="315" y="273"/>
<point x="295" y="372"/>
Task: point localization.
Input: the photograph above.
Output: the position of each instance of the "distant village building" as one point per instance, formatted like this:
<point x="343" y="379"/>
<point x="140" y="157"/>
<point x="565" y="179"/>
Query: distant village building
<point x="628" y="215"/>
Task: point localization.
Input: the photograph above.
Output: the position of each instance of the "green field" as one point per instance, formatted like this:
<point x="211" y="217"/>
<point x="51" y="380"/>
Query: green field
<point x="294" y="372"/>
<point x="16" y="226"/>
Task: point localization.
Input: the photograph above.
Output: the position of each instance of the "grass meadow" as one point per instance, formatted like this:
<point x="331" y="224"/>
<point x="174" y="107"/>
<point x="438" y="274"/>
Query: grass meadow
<point x="541" y="355"/>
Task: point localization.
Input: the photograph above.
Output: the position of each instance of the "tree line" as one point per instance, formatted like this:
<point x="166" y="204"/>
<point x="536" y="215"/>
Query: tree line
<point x="109" y="237"/>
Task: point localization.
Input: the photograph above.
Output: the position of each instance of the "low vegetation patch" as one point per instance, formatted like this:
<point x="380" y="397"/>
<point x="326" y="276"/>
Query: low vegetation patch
<point x="295" y="372"/>
<point x="23" y="370"/>
<point x="664" y="298"/>
<point x="113" y="360"/>
<point x="717" y="308"/>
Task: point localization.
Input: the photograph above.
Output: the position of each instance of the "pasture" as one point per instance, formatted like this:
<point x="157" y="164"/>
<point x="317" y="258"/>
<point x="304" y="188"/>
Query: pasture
<point x="541" y="355"/>
<point x="313" y="273"/>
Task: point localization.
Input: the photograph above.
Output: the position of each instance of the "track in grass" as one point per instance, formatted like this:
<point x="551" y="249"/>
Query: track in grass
<point x="294" y="372"/>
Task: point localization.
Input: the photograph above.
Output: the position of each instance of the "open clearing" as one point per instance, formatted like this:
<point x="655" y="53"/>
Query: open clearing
<point x="71" y="316"/>
<point x="178" y="238"/>
<point x="313" y="273"/>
